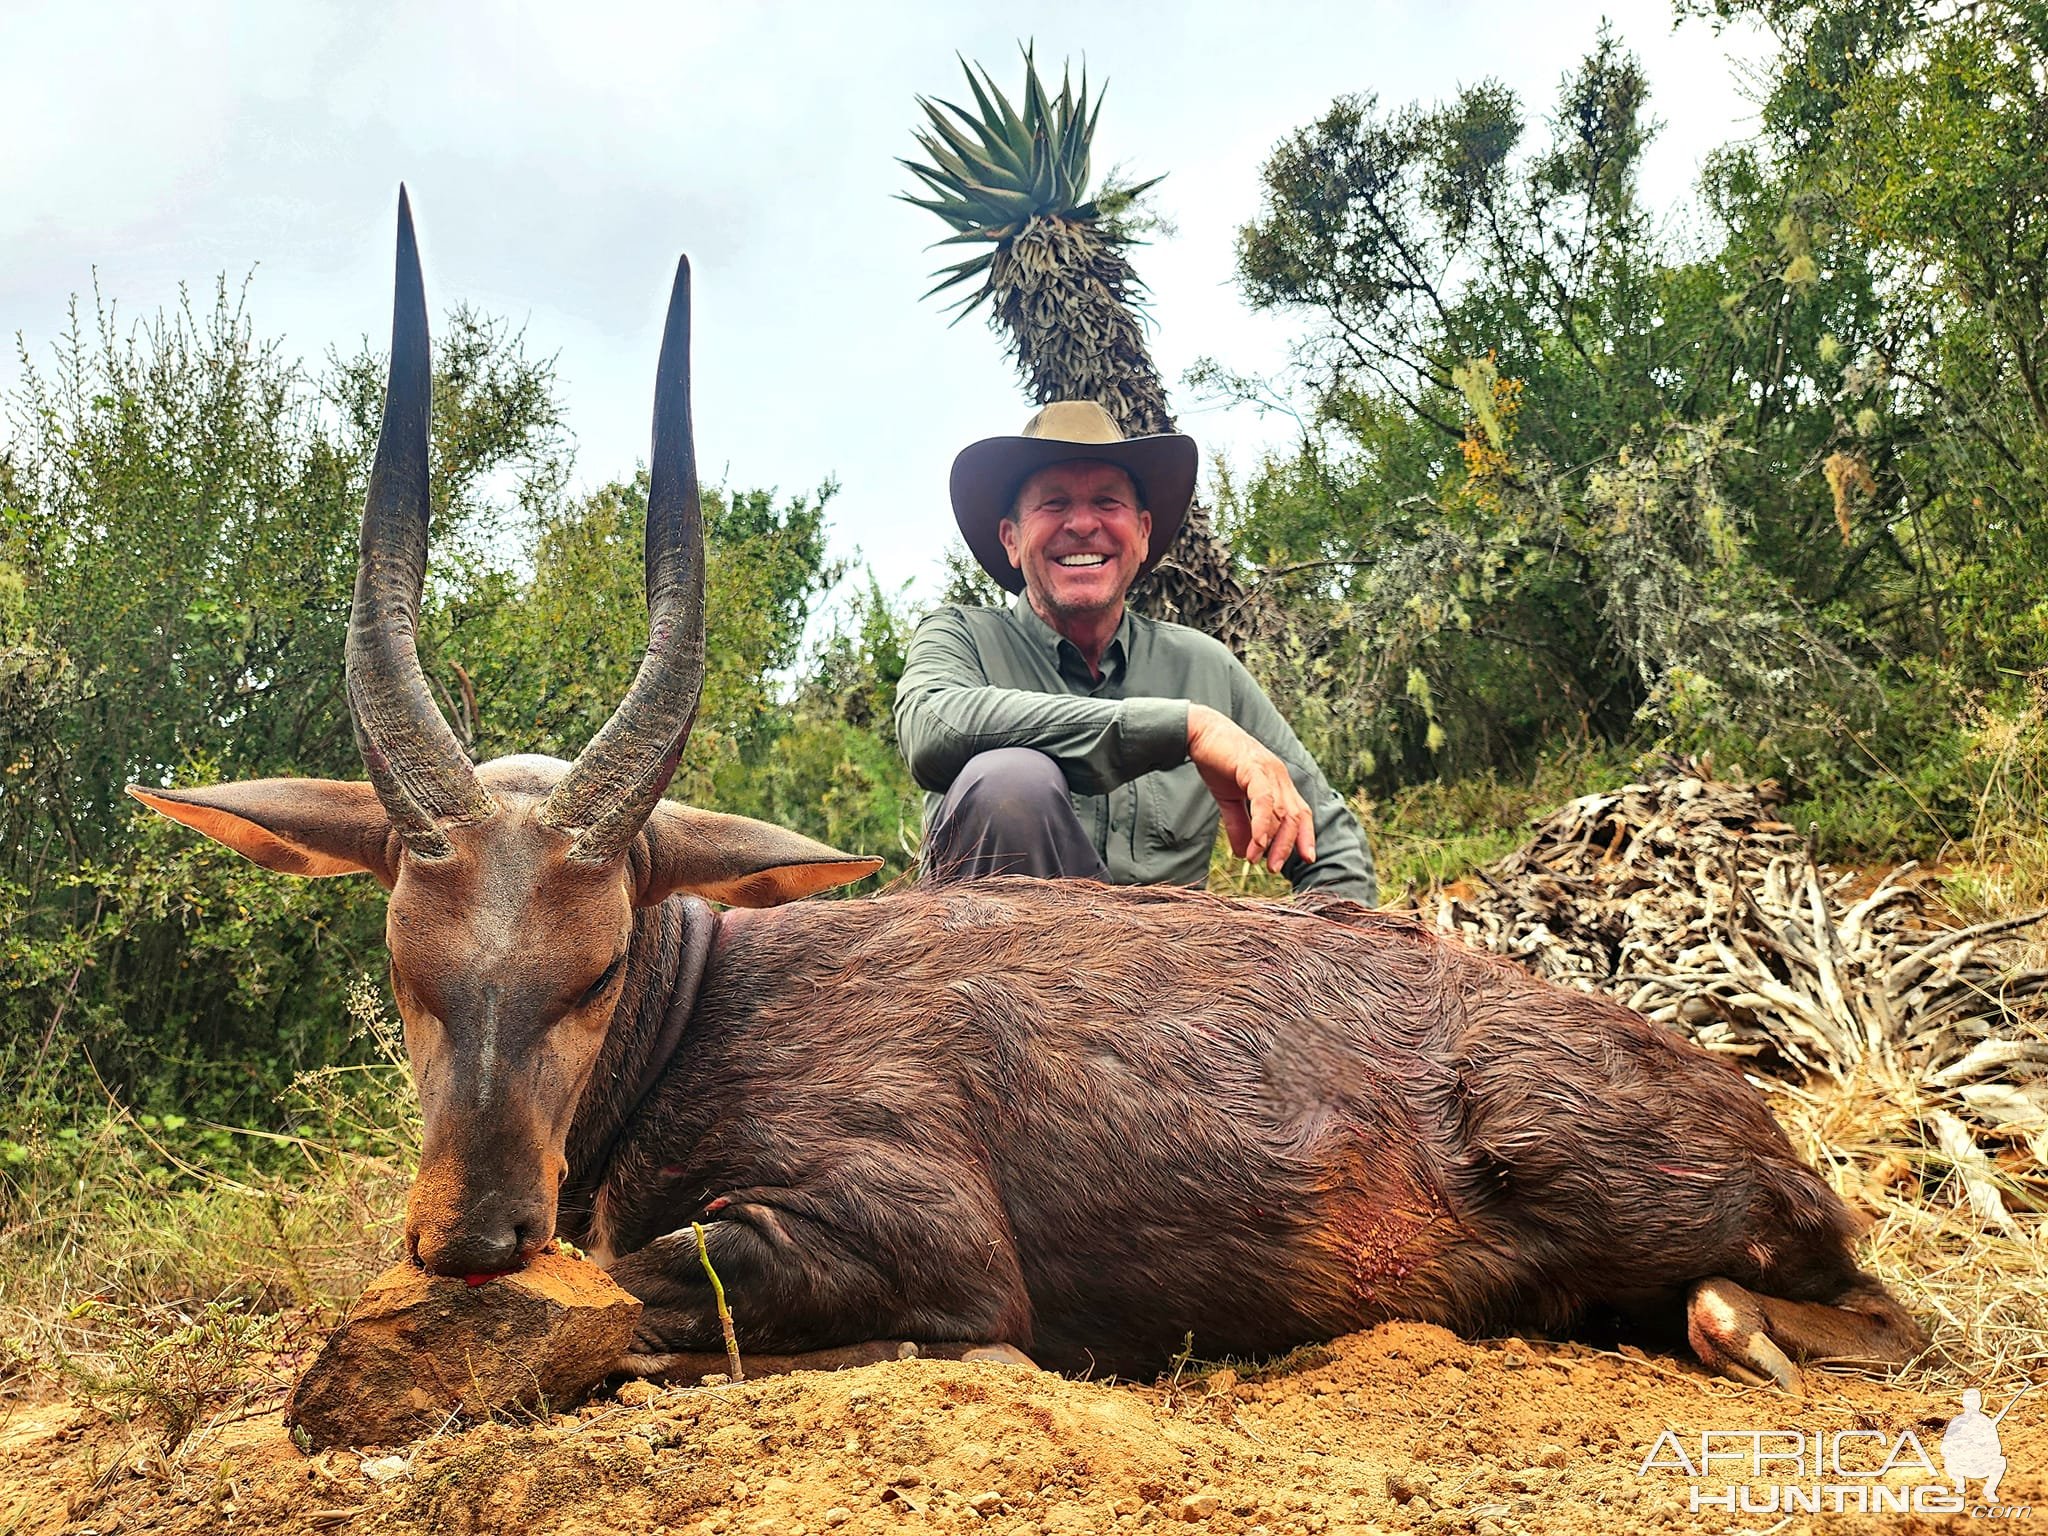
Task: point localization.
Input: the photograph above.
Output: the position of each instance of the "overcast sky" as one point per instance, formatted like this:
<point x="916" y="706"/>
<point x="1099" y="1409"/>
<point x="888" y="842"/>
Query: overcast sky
<point x="560" y="156"/>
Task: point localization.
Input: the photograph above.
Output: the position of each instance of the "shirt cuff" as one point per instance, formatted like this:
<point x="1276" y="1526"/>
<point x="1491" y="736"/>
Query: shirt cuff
<point x="1155" y="734"/>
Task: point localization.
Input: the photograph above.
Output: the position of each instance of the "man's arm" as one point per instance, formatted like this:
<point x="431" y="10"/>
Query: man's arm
<point x="947" y="711"/>
<point x="1342" y="865"/>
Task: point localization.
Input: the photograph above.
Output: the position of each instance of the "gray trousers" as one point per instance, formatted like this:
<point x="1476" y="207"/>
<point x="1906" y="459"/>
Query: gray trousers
<point x="1008" y="813"/>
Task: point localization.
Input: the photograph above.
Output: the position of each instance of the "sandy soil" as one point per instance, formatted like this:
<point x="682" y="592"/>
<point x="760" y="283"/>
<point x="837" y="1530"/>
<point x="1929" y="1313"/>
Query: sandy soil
<point x="1403" y="1428"/>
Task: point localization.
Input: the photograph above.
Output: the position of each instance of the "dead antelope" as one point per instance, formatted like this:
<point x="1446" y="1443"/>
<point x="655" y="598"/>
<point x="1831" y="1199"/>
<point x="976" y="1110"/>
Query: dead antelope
<point x="1081" y="1121"/>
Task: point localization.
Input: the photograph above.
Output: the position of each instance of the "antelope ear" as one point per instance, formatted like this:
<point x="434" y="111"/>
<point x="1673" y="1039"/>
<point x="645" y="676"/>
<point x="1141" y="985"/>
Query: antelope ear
<point x="294" y="826"/>
<point x="735" y="859"/>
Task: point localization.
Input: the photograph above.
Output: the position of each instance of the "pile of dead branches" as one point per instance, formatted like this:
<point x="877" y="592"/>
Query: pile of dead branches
<point x="1688" y="898"/>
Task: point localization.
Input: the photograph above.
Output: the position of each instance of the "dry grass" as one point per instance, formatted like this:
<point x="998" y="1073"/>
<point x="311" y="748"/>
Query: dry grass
<point x="1985" y="1289"/>
<point x="137" y="1280"/>
<point x="1982" y="1290"/>
<point x="2002" y="867"/>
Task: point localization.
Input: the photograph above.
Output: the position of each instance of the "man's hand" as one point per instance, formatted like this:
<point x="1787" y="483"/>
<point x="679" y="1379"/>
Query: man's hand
<point x="1264" y="816"/>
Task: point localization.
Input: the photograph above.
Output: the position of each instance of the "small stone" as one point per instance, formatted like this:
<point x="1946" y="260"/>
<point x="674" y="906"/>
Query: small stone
<point x="986" y="1503"/>
<point x="1126" y="1506"/>
<point x="970" y="1456"/>
<point x="838" y="1514"/>
<point x="1552" y="1456"/>
<point x="414" y="1346"/>
<point x="1404" y="1486"/>
<point x="636" y="1394"/>
<point x="384" y="1468"/>
<point x="714" y="1379"/>
<point x="1199" y="1506"/>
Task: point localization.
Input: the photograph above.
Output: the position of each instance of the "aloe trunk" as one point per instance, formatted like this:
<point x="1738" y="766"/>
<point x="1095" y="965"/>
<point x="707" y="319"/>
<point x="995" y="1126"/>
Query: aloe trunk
<point x="1052" y="268"/>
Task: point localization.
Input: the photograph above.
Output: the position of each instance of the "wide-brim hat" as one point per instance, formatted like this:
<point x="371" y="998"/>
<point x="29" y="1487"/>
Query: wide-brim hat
<point x="987" y="476"/>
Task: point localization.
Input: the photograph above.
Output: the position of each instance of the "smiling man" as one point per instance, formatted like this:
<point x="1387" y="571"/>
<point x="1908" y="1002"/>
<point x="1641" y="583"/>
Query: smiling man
<point x="1067" y="736"/>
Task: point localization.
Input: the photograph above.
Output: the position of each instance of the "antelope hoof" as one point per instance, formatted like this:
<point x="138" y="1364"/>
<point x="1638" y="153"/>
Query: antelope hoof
<point x="986" y="1354"/>
<point x="1729" y="1333"/>
<point x="1001" y="1354"/>
<point x="667" y="1367"/>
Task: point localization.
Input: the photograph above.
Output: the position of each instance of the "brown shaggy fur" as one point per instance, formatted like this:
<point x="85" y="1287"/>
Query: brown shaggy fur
<point x="1090" y="1121"/>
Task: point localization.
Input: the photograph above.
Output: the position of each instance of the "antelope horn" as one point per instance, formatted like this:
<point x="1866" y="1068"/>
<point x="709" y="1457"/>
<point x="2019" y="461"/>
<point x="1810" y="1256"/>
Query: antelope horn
<point x="422" y="776"/>
<point x="609" y="794"/>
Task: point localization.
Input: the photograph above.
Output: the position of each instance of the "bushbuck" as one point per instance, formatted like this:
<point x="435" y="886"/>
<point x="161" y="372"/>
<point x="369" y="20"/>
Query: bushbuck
<point x="1078" y="1121"/>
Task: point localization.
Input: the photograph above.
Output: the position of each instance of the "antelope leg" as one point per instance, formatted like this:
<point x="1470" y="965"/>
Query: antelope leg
<point x="1755" y="1338"/>
<point x="831" y="1265"/>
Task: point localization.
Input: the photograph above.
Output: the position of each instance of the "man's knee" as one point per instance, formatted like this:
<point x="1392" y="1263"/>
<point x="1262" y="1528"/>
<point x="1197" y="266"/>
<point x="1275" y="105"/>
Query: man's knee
<point x="1008" y="812"/>
<point x="1009" y="788"/>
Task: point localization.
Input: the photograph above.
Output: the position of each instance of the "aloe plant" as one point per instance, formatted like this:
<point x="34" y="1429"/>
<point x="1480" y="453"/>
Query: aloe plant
<point x="1050" y="261"/>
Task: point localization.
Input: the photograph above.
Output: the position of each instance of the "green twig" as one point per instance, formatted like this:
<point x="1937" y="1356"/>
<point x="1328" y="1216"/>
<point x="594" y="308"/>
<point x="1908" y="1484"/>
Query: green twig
<point x="732" y="1341"/>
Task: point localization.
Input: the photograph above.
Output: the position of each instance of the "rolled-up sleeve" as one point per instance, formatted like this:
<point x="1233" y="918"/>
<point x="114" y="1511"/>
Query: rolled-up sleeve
<point x="947" y="711"/>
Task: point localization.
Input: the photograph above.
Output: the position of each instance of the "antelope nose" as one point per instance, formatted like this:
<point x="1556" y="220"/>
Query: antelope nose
<point x="491" y="1248"/>
<point x="475" y="1216"/>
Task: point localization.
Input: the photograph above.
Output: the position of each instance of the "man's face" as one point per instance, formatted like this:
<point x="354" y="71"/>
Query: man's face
<point x="1078" y="535"/>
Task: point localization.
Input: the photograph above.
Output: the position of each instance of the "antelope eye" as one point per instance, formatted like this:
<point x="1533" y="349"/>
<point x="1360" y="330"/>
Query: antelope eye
<point x="597" y="987"/>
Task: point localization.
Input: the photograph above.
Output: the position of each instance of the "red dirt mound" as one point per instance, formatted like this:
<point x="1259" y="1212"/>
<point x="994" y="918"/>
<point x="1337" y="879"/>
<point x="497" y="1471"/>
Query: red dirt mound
<point x="1402" y="1428"/>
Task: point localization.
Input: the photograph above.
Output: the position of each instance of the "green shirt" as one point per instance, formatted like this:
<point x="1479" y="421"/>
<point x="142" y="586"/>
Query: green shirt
<point x="980" y="678"/>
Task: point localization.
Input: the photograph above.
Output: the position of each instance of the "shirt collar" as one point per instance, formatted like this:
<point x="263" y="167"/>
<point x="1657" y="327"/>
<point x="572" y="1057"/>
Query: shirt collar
<point x="1056" y="645"/>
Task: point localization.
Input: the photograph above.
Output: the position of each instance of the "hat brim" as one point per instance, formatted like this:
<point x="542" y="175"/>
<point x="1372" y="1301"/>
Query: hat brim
<point x="987" y="476"/>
